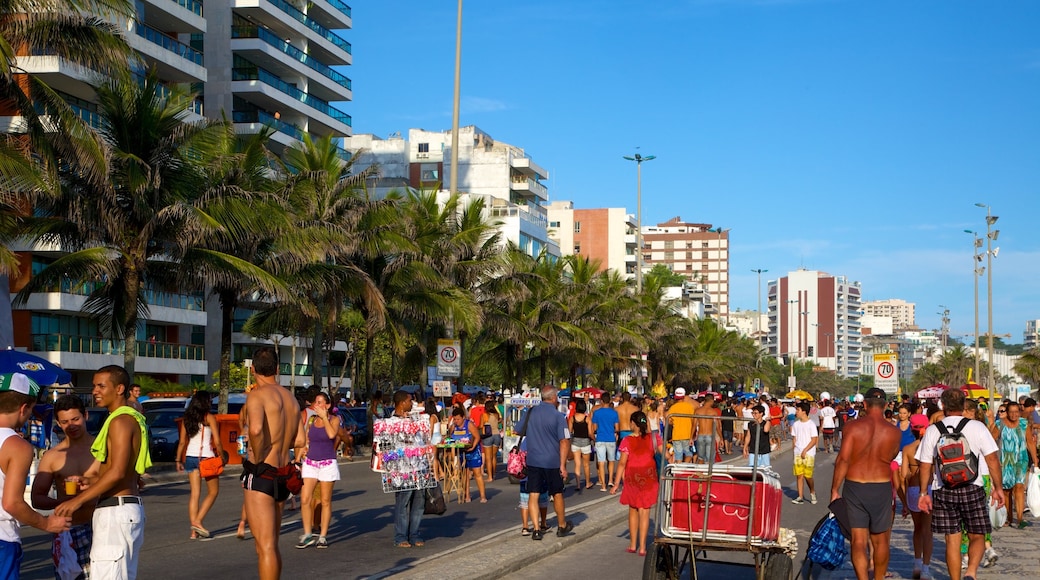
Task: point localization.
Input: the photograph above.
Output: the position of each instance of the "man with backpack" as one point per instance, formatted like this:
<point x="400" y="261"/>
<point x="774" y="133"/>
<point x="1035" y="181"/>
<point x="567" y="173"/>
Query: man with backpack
<point x="951" y="450"/>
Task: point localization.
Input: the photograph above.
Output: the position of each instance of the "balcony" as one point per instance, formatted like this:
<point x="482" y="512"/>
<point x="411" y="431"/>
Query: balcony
<point x="302" y="18"/>
<point x="292" y="52"/>
<point x="183" y="16"/>
<point x="176" y="62"/>
<point x="93" y="345"/>
<point x="331" y="13"/>
<point x="528" y="184"/>
<point x="168" y="43"/>
<point x="260" y="78"/>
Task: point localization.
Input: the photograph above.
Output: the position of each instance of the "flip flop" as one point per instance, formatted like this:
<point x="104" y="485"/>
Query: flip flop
<point x="201" y="531"/>
<point x="630" y="550"/>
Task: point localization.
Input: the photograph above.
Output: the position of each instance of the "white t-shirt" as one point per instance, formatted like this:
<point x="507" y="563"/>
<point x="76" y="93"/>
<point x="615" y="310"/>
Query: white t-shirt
<point x="827" y="416"/>
<point x="803" y="433"/>
<point x="747" y="415"/>
<point x="978" y="436"/>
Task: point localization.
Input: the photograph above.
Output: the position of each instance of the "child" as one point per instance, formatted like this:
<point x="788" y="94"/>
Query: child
<point x="806" y="437"/>
<point x="525" y="514"/>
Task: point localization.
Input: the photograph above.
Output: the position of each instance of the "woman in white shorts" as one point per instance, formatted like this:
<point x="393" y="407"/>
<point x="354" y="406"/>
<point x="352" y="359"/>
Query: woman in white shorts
<point x="320" y="469"/>
<point x="581" y="444"/>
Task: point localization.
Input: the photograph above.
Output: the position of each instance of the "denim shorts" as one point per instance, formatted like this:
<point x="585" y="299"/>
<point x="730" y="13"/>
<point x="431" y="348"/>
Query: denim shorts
<point x="761" y="459"/>
<point x="606" y="451"/>
<point x="682" y="449"/>
<point x="704" y="447"/>
<point x="543" y="500"/>
<point x="492" y="441"/>
<point x="191" y="464"/>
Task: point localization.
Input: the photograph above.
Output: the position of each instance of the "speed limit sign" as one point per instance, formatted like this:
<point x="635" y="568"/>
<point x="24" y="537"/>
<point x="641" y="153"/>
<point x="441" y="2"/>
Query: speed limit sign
<point x="449" y="361"/>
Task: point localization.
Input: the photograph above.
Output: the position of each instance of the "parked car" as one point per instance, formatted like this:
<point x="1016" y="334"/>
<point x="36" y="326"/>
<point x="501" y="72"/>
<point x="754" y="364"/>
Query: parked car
<point x="163" y="433"/>
<point x="95" y="419"/>
<point x="354" y="417"/>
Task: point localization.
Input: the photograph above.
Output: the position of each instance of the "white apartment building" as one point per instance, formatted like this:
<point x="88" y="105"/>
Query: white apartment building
<point x="259" y="62"/>
<point x="813" y="315"/>
<point x="1031" y="336"/>
<point x="603" y="234"/>
<point x="900" y="311"/>
<point x="505" y="176"/>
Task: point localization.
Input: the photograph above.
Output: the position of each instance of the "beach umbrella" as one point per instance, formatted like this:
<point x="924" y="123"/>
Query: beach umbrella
<point x="932" y="392"/>
<point x="713" y="394"/>
<point x="43" y="372"/>
<point x="593" y="391"/>
<point x="799" y="394"/>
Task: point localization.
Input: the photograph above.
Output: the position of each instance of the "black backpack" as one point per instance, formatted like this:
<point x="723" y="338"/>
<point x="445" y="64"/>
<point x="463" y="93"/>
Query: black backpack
<point x="955" y="462"/>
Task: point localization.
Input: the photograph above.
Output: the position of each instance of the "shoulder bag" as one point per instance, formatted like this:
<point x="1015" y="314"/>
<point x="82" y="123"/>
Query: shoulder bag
<point x="516" y="463"/>
<point x="211" y="466"/>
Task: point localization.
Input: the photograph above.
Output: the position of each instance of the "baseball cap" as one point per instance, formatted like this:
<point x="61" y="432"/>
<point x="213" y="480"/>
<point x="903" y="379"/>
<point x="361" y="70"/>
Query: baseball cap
<point x="680" y="392"/>
<point x="875" y="393"/>
<point x="19" y="383"/>
<point x="918" y="422"/>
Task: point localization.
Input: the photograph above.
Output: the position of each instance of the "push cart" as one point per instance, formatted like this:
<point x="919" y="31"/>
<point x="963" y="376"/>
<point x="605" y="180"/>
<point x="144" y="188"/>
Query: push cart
<point x="718" y="508"/>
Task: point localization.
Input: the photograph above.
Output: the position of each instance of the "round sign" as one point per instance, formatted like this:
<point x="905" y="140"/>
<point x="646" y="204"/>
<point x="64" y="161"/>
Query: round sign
<point x="886" y="370"/>
<point x="448" y="354"/>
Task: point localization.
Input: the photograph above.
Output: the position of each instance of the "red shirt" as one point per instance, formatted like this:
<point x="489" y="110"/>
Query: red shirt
<point x="476" y="412"/>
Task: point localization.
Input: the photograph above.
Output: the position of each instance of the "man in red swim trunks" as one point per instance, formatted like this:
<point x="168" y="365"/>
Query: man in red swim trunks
<point x="274" y="428"/>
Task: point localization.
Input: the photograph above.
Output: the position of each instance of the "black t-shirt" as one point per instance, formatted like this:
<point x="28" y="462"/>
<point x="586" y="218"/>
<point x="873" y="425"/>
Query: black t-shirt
<point x="727" y="424"/>
<point x="763" y="441"/>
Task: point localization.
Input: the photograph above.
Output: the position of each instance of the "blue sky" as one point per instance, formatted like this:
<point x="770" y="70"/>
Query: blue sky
<point x="852" y="137"/>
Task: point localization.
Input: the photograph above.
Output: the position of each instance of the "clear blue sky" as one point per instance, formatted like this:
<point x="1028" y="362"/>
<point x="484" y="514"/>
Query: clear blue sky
<point x="852" y="137"/>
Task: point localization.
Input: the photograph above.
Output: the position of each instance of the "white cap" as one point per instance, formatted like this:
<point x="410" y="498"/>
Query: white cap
<point x="680" y="392"/>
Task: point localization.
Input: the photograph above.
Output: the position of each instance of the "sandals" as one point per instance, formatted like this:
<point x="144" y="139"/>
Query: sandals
<point x="402" y="545"/>
<point x="525" y="531"/>
<point x="200" y="531"/>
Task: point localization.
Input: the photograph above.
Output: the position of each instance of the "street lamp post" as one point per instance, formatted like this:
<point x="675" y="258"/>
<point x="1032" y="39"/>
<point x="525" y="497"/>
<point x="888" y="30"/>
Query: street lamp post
<point x="831" y="344"/>
<point x="977" y="270"/>
<point x="639" y="159"/>
<point x="758" y="313"/>
<point x="455" y="104"/>
<point x="790" y="353"/>
<point x="991" y="236"/>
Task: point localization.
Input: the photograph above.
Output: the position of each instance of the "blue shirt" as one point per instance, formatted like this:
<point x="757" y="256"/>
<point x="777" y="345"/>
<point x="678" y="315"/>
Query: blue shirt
<point x="546" y="427"/>
<point x="605" y="418"/>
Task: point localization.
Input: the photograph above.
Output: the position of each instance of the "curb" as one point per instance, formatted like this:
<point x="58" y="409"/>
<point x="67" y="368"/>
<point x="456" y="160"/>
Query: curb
<point x="512" y="552"/>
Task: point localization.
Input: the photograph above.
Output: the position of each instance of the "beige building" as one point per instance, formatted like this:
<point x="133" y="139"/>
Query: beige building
<point x="694" y="250"/>
<point x="900" y="311"/>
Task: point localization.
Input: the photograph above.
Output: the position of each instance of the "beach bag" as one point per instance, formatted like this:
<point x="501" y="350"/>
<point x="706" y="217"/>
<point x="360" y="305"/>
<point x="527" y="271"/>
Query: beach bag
<point x="1033" y="492"/>
<point x="956" y="464"/>
<point x="516" y="463"/>
<point x="210" y="466"/>
<point x="435" y="504"/>
<point x="827" y="545"/>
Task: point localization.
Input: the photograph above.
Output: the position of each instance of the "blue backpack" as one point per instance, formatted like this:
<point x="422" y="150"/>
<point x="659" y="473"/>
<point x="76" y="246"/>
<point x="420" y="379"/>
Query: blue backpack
<point x="827" y="544"/>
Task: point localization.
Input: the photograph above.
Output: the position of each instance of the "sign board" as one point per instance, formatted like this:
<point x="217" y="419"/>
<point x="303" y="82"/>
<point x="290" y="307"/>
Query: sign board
<point x="886" y="372"/>
<point x="792" y="382"/>
<point x="1021" y="391"/>
<point x="441" y="388"/>
<point x="449" y="357"/>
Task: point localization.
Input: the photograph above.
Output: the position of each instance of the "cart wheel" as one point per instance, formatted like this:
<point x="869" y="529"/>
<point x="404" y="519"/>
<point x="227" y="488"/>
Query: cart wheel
<point x="658" y="564"/>
<point x="779" y="567"/>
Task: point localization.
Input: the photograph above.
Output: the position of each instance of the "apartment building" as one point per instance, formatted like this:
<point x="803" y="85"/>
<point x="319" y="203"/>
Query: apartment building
<point x="900" y="311"/>
<point x="508" y="180"/>
<point x="607" y="235"/>
<point x="694" y="250"/>
<point x="257" y="62"/>
<point x="1031" y="336"/>
<point x="814" y="315"/>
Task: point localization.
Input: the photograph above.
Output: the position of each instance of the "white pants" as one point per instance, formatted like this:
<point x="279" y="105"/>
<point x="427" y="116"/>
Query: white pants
<point x="118" y="535"/>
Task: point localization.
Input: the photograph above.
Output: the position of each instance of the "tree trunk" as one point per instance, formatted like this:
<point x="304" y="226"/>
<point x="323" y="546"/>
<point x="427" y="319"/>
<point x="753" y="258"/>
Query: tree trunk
<point x="317" y="351"/>
<point x="292" y="367"/>
<point x="227" y="320"/>
<point x="370" y="342"/>
<point x="133" y="289"/>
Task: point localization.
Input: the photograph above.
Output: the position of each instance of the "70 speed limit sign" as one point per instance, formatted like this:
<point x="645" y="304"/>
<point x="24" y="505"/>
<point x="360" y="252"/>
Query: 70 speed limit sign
<point x="449" y="361"/>
<point x="886" y="372"/>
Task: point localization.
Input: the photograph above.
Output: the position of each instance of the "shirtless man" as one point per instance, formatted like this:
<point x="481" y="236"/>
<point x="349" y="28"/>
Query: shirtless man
<point x="624" y="411"/>
<point x="63" y="465"/>
<point x="864" y="464"/>
<point x="275" y="427"/>
<point x="705" y="428"/>
<point x="17" y="398"/>
<point x="121" y="454"/>
<point x="135" y="393"/>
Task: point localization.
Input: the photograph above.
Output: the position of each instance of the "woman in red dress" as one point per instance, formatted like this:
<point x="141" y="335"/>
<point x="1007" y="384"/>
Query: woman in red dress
<point x="638" y="471"/>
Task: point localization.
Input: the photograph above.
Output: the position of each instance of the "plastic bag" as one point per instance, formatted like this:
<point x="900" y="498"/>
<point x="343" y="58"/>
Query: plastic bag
<point x="66" y="564"/>
<point x="1033" y="492"/>
<point x="997" y="517"/>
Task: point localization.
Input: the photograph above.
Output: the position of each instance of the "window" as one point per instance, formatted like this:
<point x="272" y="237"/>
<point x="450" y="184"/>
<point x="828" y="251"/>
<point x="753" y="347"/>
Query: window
<point x="669" y="244"/>
<point x="554" y="224"/>
<point x="577" y="249"/>
<point x="704" y="244"/>
<point x="704" y="255"/>
<point x="577" y="227"/>
<point x="424" y="147"/>
<point x="429" y="172"/>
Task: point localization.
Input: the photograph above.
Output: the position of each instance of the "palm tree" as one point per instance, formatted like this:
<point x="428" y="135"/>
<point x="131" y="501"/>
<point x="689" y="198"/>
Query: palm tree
<point x="126" y="221"/>
<point x="1028" y="366"/>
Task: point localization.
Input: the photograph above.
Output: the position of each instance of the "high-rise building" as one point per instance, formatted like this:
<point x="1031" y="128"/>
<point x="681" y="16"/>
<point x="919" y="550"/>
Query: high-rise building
<point x="257" y="62"/>
<point x="1031" y="336"/>
<point x="694" y="250"/>
<point x="813" y="315"/>
<point x="604" y="234"/>
<point x="505" y="176"/>
<point x="900" y="311"/>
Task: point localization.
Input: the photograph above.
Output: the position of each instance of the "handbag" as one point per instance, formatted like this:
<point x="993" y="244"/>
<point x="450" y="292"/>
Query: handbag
<point x="435" y="504"/>
<point x="210" y="466"/>
<point x="294" y="481"/>
<point x="516" y="463"/>
<point x="827" y="545"/>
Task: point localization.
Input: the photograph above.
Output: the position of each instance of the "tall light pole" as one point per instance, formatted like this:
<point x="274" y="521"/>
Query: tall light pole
<point x="455" y="104"/>
<point x="790" y="353"/>
<point x="991" y="236"/>
<point x="830" y="342"/>
<point x="977" y="270"/>
<point x="758" y="313"/>
<point x="639" y="159"/>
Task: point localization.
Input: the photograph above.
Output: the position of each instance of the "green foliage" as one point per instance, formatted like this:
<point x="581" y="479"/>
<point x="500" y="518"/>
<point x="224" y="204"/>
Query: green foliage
<point x="664" y="276"/>
<point x="239" y="378"/>
<point x="151" y="385"/>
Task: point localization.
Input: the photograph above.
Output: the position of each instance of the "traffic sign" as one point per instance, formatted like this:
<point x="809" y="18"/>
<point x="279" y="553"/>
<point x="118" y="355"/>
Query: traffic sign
<point x="449" y="359"/>
<point x="886" y="372"/>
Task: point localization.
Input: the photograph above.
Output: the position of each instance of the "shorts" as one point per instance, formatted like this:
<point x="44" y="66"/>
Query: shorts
<point x="952" y="508"/>
<point x="913" y="494"/>
<point x="606" y="451"/>
<point x="762" y="460"/>
<point x="727" y="435"/>
<point x="474" y="459"/>
<point x="704" y="448"/>
<point x="10" y="559"/>
<point x="266" y="479"/>
<point x="117" y="540"/>
<point x="869" y="505"/>
<point x="322" y="470"/>
<point x="827" y="431"/>
<point x="581" y="445"/>
<point x="804" y="465"/>
<point x="492" y="441"/>
<point x="543" y="498"/>
<point x="682" y="449"/>
<point x="547" y="479"/>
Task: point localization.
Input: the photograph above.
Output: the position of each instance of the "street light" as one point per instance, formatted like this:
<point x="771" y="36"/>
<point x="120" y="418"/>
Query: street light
<point x="455" y="104"/>
<point x="639" y="159"/>
<point x="758" y="313"/>
<point x="790" y="317"/>
<point x="977" y="270"/>
<point x="991" y="236"/>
